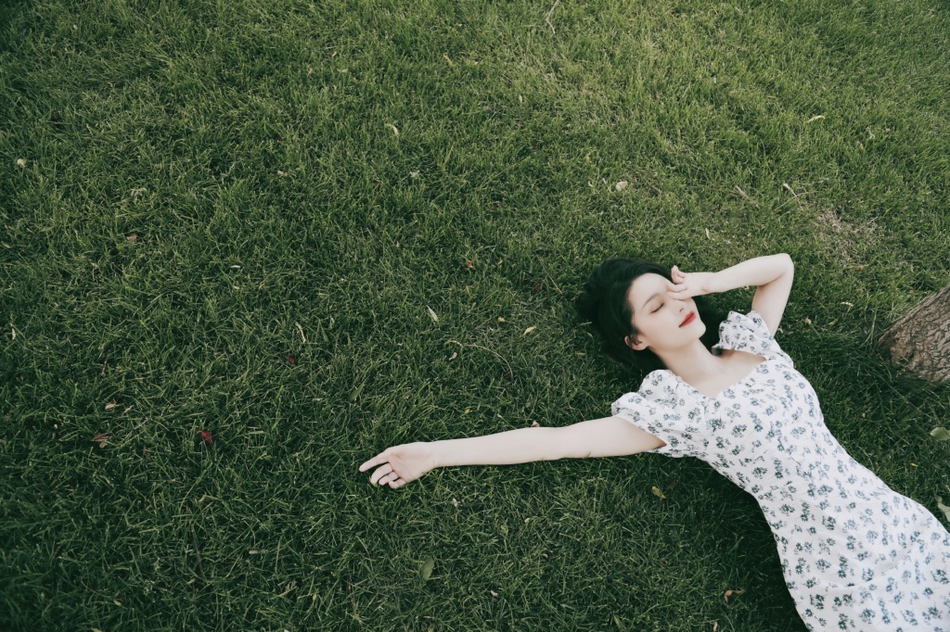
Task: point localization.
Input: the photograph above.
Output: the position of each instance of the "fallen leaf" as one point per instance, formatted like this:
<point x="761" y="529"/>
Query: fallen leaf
<point x="529" y="330"/>
<point x="940" y="434"/>
<point x="102" y="439"/>
<point x="427" y="567"/>
<point x="730" y="593"/>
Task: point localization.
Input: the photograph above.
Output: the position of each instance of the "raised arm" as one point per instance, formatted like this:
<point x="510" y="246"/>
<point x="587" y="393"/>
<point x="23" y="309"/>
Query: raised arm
<point x="610" y="436"/>
<point x="772" y="277"/>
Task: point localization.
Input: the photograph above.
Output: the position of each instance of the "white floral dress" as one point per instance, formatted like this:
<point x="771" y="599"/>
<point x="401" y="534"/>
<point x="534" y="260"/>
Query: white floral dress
<point x="855" y="554"/>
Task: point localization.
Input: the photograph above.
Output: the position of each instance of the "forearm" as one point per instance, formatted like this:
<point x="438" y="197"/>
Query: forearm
<point x="504" y="448"/>
<point x="609" y="436"/>
<point x="755" y="272"/>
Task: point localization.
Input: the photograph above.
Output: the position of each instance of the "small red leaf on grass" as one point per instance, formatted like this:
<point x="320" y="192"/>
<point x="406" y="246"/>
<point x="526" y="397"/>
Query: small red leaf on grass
<point x="206" y="435"/>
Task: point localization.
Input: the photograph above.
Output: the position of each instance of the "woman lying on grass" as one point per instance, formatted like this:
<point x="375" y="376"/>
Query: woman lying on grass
<point x="855" y="554"/>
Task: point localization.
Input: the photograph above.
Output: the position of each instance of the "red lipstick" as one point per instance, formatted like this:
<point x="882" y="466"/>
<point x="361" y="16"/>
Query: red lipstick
<point x="689" y="318"/>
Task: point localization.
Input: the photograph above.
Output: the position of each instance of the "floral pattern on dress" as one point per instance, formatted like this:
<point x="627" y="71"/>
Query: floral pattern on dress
<point x="855" y="554"/>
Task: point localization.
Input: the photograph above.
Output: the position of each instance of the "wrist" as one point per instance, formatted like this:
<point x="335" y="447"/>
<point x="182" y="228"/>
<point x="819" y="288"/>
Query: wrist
<point x="718" y="283"/>
<point x="436" y="456"/>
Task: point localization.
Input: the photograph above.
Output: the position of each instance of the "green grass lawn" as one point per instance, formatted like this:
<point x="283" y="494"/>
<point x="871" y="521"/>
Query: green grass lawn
<point x="313" y="229"/>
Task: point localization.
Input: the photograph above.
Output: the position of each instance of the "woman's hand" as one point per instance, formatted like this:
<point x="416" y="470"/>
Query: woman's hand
<point x="692" y="284"/>
<point x="400" y="464"/>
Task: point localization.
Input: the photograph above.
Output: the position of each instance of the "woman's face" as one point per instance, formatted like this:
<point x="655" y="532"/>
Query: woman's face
<point x="661" y="321"/>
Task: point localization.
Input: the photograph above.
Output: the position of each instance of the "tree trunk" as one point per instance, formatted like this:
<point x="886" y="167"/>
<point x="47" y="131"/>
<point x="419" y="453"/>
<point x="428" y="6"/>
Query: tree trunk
<point x="920" y="341"/>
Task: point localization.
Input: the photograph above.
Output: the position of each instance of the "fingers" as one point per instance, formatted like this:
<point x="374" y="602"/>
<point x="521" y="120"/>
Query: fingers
<point x="679" y="288"/>
<point x="382" y="472"/>
<point x="379" y="459"/>
<point x="391" y="480"/>
<point x="385" y="475"/>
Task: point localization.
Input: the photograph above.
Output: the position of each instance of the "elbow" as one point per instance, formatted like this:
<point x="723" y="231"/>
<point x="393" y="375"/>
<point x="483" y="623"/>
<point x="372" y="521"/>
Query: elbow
<point x="788" y="266"/>
<point x="568" y="444"/>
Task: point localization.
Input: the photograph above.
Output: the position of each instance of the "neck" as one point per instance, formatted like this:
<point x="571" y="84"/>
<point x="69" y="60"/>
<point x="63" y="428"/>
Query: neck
<point x="692" y="363"/>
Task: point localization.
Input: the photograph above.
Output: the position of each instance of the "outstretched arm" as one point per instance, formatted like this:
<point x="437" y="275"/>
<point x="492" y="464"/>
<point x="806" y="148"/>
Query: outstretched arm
<point x="610" y="436"/>
<point x="772" y="277"/>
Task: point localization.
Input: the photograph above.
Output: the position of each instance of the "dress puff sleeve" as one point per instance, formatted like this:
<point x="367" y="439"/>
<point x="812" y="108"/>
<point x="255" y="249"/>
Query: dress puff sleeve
<point x="741" y="332"/>
<point x="664" y="409"/>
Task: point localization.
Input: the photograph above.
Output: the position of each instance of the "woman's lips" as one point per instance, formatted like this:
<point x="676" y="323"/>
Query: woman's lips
<point x="689" y="318"/>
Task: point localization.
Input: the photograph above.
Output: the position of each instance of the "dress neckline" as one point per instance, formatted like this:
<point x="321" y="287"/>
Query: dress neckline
<point x="746" y="377"/>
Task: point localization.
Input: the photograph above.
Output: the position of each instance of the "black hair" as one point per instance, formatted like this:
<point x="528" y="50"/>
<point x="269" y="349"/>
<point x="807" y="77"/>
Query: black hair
<point x="604" y="303"/>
